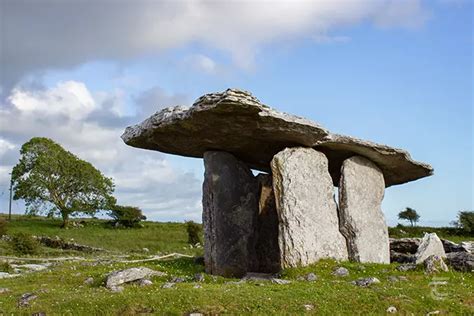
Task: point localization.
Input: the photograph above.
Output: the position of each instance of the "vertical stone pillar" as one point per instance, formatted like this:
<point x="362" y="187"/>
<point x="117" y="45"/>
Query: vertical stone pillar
<point x="361" y="191"/>
<point x="229" y="215"/>
<point x="267" y="248"/>
<point x="307" y="211"/>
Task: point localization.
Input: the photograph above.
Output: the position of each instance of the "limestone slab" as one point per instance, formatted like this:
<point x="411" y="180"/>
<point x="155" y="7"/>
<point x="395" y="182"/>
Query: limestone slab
<point x="361" y="191"/>
<point x="235" y="121"/>
<point x="229" y="215"/>
<point x="307" y="211"/>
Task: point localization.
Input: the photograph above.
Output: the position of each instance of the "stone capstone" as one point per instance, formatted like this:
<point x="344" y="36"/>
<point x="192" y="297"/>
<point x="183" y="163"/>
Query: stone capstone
<point x="236" y="122"/>
<point x="307" y="211"/>
<point x="362" y="222"/>
<point x="230" y="208"/>
<point x="430" y="245"/>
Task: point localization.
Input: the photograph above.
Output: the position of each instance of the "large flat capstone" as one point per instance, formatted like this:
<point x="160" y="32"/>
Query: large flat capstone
<point x="307" y="211"/>
<point x="362" y="222"/>
<point x="230" y="208"/>
<point x="234" y="121"/>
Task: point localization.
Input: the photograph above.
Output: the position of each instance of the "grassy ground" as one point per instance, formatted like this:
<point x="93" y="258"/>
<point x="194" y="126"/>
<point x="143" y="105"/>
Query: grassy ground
<point x="61" y="289"/>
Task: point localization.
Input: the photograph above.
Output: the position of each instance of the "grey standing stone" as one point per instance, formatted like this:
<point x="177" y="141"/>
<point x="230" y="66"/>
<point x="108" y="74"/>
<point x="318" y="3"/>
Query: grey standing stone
<point x="229" y="215"/>
<point x="304" y="194"/>
<point x="267" y="247"/>
<point x="430" y="245"/>
<point x="362" y="222"/>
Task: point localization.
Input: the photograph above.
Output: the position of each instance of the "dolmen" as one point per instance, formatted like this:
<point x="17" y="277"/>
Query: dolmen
<point x="287" y="215"/>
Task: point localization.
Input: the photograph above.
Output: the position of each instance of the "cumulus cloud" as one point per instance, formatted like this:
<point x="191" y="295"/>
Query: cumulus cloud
<point x="63" y="113"/>
<point x="40" y="35"/>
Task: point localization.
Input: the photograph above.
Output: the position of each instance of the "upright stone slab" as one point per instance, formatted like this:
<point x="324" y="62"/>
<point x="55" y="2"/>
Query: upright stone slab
<point x="361" y="190"/>
<point x="267" y="248"/>
<point x="307" y="211"/>
<point x="229" y="215"/>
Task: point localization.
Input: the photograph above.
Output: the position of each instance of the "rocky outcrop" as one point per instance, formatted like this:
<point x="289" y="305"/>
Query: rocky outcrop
<point x="267" y="248"/>
<point x="234" y="121"/>
<point x="229" y="215"/>
<point x="362" y="222"/>
<point x="307" y="211"/>
<point x="435" y="264"/>
<point x="405" y="245"/>
<point x="430" y="245"/>
<point x="461" y="261"/>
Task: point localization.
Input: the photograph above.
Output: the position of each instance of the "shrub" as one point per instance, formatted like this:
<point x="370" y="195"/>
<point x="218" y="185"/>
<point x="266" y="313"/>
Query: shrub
<point x="128" y="216"/>
<point x="466" y="221"/>
<point x="3" y="226"/>
<point x="5" y="267"/>
<point x="24" y="244"/>
<point x="193" y="230"/>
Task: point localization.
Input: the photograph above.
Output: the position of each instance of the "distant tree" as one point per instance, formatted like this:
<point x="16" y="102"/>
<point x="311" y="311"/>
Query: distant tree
<point x="466" y="221"/>
<point x="409" y="214"/>
<point x="128" y="216"/>
<point x="193" y="230"/>
<point x="52" y="180"/>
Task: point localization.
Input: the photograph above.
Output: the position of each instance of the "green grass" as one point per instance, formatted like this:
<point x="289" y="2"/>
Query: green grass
<point x="451" y="233"/>
<point x="61" y="289"/>
<point x="157" y="237"/>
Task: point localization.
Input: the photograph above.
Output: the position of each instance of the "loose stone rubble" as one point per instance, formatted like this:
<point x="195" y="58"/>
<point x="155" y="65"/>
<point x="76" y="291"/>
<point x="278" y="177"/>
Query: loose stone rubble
<point x="286" y="216"/>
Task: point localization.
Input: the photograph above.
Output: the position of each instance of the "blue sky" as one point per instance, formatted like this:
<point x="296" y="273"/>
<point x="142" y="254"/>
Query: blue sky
<point x="394" y="72"/>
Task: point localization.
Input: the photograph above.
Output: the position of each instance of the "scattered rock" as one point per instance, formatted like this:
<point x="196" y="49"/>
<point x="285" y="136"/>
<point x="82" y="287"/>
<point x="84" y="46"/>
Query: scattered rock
<point x="308" y="307"/>
<point x="255" y="276"/>
<point x="196" y="314"/>
<point x="407" y="267"/>
<point x="144" y="282"/>
<point x="280" y="281"/>
<point x="461" y="261"/>
<point x="391" y="310"/>
<point x="311" y="277"/>
<point x="177" y="280"/>
<point x="145" y="250"/>
<point x="57" y="242"/>
<point x="433" y="313"/>
<point x="116" y="289"/>
<point x="197" y="286"/>
<point x="89" y="281"/>
<point x="235" y="121"/>
<point x="468" y="246"/>
<point x="304" y="194"/>
<point x="4" y="290"/>
<point x="394" y="278"/>
<point x="199" y="277"/>
<point x="435" y="264"/>
<point x="401" y="257"/>
<point x="6" y="275"/>
<point x="128" y="275"/>
<point x="168" y="285"/>
<point x="26" y="298"/>
<point x="31" y="267"/>
<point x="360" y="211"/>
<point x="402" y="278"/>
<point x="39" y="314"/>
<point x="366" y="281"/>
<point x="405" y="245"/>
<point x="229" y="215"/>
<point x="341" y="272"/>
<point x="430" y="245"/>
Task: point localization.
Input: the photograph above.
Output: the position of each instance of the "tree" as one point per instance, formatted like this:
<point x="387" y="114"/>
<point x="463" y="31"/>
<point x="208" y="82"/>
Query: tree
<point x="52" y="180"/>
<point x="466" y="221"/>
<point x="409" y="214"/>
<point x="128" y="216"/>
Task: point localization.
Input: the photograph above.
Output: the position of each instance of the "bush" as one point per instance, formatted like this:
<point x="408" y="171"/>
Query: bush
<point x="5" y="267"/>
<point x="3" y="226"/>
<point x="128" y="216"/>
<point x="193" y="230"/>
<point x="24" y="244"/>
<point x="466" y="221"/>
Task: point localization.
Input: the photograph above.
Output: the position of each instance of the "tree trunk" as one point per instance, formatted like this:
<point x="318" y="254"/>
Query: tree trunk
<point x="65" y="217"/>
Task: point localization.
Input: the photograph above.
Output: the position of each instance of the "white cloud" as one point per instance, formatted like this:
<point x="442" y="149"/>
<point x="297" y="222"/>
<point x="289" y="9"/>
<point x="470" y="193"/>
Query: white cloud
<point x="202" y="63"/>
<point x="70" y="98"/>
<point x="143" y="178"/>
<point x="34" y="38"/>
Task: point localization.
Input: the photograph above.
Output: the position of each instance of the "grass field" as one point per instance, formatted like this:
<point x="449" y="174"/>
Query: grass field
<point x="61" y="289"/>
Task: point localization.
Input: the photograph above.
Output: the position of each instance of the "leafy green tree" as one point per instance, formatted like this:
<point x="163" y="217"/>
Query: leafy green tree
<point x="52" y="180"/>
<point x="409" y="214"/>
<point x="128" y="216"/>
<point x="466" y="221"/>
